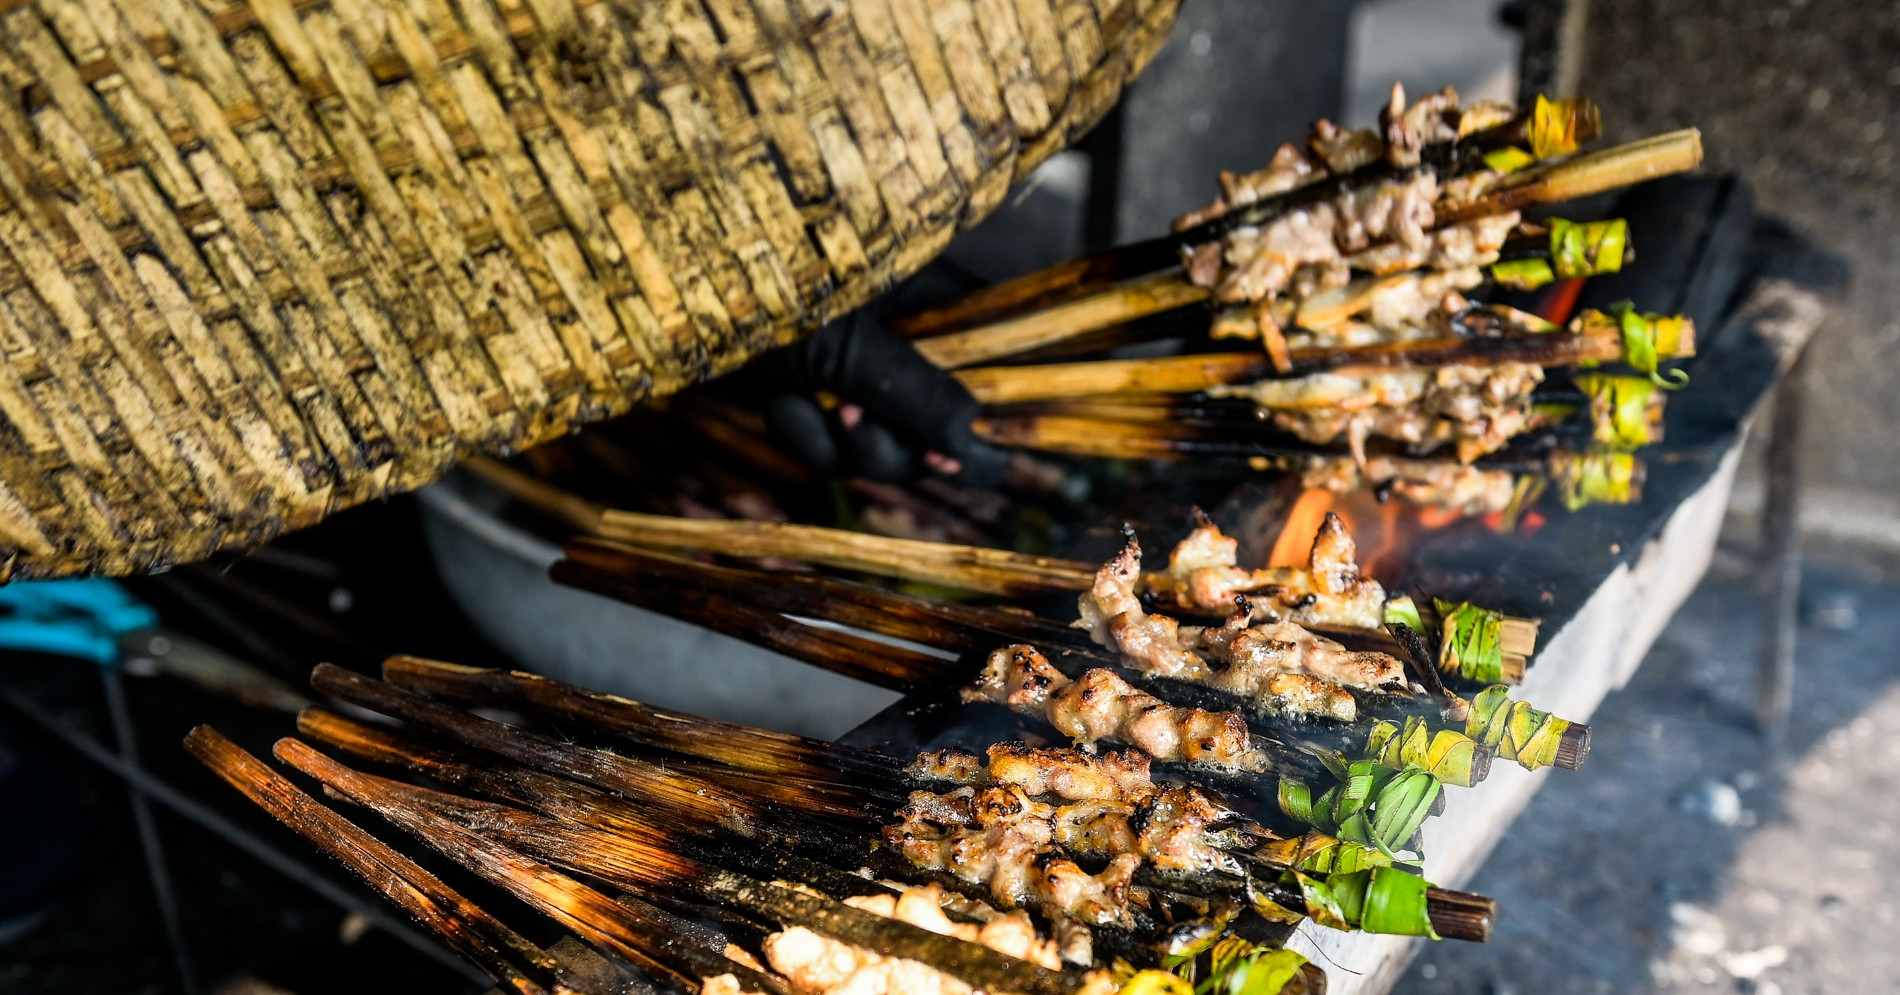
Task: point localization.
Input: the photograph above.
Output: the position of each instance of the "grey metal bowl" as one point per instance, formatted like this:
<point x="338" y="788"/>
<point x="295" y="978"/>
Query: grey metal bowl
<point x="498" y="574"/>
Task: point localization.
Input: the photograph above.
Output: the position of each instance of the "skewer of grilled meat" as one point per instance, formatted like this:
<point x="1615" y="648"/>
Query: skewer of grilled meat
<point x="475" y="832"/>
<point x="1057" y="886"/>
<point x="1382" y="227"/>
<point x="617" y="572"/>
<point x="1249" y="200"/>
<point x="1590" y="337"/>
<point x="1065" y="890"/>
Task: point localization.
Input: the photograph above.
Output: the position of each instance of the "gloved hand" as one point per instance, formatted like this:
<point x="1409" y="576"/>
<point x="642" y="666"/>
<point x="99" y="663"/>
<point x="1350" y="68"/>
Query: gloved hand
<point x="900" y="416"/>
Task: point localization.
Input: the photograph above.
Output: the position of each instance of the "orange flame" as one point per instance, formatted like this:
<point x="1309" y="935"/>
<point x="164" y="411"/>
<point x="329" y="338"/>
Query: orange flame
<point x="1294" y="548"/>
<point x="1369" y="562"/>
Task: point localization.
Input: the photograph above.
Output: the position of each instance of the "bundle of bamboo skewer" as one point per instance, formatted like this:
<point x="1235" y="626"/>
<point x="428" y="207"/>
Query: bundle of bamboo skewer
<point x="1152" y="869"/>
<point x="637" y="824"/>
<point x="1281" y="734"/>
<point x="1359" y="264"/>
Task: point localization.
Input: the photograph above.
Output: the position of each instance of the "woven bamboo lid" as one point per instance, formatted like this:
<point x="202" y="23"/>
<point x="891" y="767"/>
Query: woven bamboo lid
<point x="263" y="261"/>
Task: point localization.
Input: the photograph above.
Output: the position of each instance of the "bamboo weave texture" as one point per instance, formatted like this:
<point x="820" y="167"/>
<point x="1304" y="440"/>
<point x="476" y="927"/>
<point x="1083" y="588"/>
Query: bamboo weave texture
<point x="263" y="261"/>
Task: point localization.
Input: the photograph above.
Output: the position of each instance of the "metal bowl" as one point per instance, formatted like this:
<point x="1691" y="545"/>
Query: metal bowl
<point x="498" y="573"/>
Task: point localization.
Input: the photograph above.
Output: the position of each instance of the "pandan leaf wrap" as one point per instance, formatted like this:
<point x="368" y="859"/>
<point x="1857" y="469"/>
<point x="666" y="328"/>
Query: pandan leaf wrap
<point x="1469" y="647"/>
<point x="1317" y="851"/>
<point x="1619" y="408"/>
<point x="1448" y="755"/>
<point x="1523" y="274"/>
<point x="1372" y="804"/>
<point x="1377" y="900"/>
<point x="1384" y="900"/>
<point x="1403" y="609"/>
<point x="1587" y="248"/>
<point x="1513" y="729"/>
<point x="1648" y="339"/>
<point x="1237" y="967"/>
<point x="1600" y="476"/>
<point x="1556" y="125"/>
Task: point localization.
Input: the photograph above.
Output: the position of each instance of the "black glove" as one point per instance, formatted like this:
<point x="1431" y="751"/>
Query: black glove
<point x="901" y="416"/>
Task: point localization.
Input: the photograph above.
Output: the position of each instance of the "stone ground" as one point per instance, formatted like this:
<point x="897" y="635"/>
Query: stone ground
<point x="1684" y="857"/>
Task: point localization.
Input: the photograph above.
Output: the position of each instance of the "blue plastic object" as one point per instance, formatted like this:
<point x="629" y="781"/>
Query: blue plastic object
<point x="78" y="618"/>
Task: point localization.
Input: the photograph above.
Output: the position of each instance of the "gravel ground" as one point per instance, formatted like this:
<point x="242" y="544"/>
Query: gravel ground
<point x="1684" y="856"/>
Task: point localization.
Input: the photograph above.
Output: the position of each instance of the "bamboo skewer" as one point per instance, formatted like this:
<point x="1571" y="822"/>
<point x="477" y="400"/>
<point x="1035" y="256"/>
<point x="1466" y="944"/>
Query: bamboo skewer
<point x="708" y="803"/>
<point x="944" y="625"/>
<point x="1167" y="375"/>
<point x="503" y="954"/>
<point x="583" y="515"/>
<point x="746" y="747"/>
<point x="1194" y="373"/>
<point x="1046" y="287"/>
<point x="1569" y="179"/>
<point x="479" y="840"/>
<point x="1113" y="306"/>
<point x="611" y="569"/>
<point x="445" y="820"/>
<point x="1456" y="914"/>
<point x="975" y="568"/>
<point x="1162" y="440"/>
<point x="1588" y="174"/>
<point x="1074" y="277"/>
<point x="559" y="798"/>
<point x="895" y="667"/>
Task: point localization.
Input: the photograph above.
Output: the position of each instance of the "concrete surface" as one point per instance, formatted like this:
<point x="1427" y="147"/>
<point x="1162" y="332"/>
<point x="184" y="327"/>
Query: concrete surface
<point x="1427" y="44"/>
<point x="1803" y="99"/>
<point x="1684" y="856"/>
<point x="1237" y="78"/>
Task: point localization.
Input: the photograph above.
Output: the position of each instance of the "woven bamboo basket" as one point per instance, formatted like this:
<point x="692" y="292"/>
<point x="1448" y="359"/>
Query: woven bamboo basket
<point x="261" y="261"/>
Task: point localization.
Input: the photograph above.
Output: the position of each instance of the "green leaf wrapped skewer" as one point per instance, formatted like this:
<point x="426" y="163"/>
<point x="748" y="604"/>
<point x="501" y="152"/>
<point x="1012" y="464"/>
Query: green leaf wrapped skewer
<point x="1372" y="804"/>
<point x="1598" y="476"/>
<point x="1578" y="249"/>
<point x="1476" y="644"/>
<point x="1317" y="851"/>
<point x="1625" y="411"/>
<point x="1449" y="756"/>
<point x="1516" y="731"/>
<point x="1482" y="646"/>
<point x="1228" y="965"/>
<point x="1556" y="127"/>
<point x="1648" y="339"/>
<point x="1377" y="900"/>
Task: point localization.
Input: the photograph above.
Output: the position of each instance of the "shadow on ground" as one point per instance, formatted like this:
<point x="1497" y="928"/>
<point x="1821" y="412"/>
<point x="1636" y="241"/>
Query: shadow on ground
<point x="1682" y="857"/>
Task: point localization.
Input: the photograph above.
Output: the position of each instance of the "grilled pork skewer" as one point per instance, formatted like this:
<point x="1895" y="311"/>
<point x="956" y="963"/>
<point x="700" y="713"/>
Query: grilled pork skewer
<point x="714" y="611"/>
<point x="680" y="795"/>
<point x="480" y="835"/>
<point x="1621" y="412"/>
<point x="930" y="622"/>
<point x="1576" y="121"/>
<point x="573" y="802"/>
<point x="1490" y="483"/>
<point x="624" y="573"/>
<point x="1393" y="227"/>
<point x="712" y="600"/>
<point x="1591" y="339"/>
